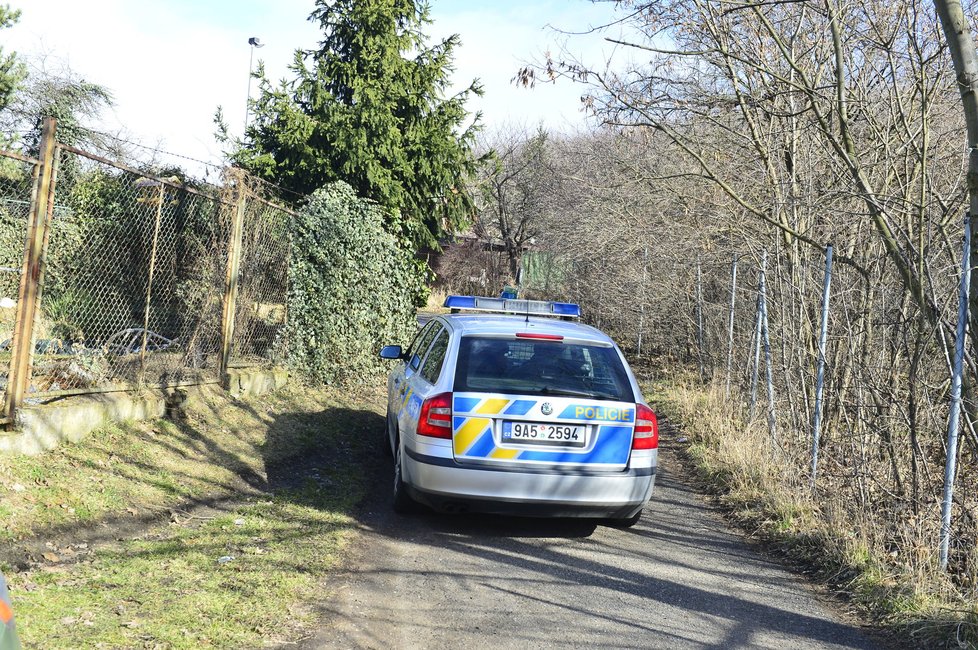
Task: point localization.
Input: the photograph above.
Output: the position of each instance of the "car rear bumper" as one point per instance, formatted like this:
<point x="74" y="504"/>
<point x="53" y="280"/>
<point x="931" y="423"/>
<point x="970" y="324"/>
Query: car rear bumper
<point x="569" y="492"/>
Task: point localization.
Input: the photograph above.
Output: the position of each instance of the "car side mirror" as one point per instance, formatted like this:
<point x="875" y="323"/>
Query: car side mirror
<point x="391" y="352"/>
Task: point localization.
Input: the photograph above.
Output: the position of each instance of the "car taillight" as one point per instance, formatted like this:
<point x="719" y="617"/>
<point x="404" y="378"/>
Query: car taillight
<point x="436" y="417"/>
<point x="646" y="428"/>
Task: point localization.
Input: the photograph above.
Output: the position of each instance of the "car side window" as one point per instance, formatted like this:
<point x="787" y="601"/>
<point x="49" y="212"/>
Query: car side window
<point x="436" y="358"/>
<point x="416" y="341"/>
<point x="423" y="342"/>
<point x="412" y="351"/>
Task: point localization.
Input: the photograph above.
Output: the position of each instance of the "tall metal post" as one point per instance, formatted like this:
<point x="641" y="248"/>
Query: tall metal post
<point x="730" y="323"/>
<point x="756" y="340"/>
<point x="641" y="314"/>
<point x="32" y="271"/>
<point x="952" y="426"/>
<point x="820" y="373"/>
<point x="253" y="42"/>
<point x="699" y="319"/>
<point x="231" y="280"/>
<point x="769" y="364"/>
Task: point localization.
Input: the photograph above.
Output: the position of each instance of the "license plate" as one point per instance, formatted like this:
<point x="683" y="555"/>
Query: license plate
<point x="565" y="435"/>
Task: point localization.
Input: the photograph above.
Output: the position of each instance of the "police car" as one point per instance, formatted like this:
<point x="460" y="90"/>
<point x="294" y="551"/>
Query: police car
<point x="506" y="406"/>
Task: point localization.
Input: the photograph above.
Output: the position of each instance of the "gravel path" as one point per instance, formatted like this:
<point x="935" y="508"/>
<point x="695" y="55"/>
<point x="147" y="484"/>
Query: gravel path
<point x="679" y="579"/>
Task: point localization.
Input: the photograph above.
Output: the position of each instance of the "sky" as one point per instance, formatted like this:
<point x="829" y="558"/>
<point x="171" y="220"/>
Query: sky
<point x="170" y="63"/>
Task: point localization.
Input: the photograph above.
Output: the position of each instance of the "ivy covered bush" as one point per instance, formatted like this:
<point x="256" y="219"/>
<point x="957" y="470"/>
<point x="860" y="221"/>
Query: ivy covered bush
<point x="353" y="287"/>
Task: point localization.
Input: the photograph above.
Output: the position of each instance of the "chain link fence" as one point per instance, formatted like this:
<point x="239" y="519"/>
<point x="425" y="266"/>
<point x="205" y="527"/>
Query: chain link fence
<point x="137" y="274"/>
<point x="259" y="322"/>
<point x="133" y="284"/>
<point x="875" y="466"/>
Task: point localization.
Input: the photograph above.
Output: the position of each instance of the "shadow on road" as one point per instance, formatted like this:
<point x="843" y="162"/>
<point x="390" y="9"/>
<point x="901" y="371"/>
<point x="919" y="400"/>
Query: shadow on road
<point x="679" y="578"/>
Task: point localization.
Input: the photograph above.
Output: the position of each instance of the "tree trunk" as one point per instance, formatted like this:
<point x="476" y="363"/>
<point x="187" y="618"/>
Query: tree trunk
<point x="962" y="48"/>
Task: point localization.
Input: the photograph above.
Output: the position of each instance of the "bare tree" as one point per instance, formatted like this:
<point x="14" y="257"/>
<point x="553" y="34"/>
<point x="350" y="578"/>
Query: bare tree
<point x="516" y="187"/>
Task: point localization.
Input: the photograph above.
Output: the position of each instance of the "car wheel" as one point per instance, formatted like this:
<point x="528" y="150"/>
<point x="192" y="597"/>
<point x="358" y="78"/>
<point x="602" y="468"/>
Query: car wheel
<point x="403" y="503"/>
<point x="625" y="522"/>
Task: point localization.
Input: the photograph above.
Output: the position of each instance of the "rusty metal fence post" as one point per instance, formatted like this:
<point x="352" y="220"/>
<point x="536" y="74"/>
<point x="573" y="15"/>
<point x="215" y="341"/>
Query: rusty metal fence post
<point x="42" y="208"/>
<point x="231" y="282"/>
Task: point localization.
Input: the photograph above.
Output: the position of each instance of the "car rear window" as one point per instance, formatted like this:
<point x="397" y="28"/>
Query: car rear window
<point x="536" y="367"/>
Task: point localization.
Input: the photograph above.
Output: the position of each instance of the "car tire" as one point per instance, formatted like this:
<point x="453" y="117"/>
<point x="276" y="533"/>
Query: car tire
<point x="402" y="501"/>
<point x="625" y="522"/>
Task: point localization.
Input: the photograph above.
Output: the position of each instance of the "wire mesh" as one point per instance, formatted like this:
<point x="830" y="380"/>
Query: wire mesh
<point x="17" y="182"/>
<point x="135" y="275"/>
<point x="134" y="281"/>
<point x="260" y="315"/>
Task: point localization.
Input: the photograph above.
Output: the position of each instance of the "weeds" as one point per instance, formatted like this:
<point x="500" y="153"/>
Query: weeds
<point x="754" y="480"/>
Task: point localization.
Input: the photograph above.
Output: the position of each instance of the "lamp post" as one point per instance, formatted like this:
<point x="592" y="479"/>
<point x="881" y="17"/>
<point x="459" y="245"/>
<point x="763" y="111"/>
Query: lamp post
<point x="253" y="42"/>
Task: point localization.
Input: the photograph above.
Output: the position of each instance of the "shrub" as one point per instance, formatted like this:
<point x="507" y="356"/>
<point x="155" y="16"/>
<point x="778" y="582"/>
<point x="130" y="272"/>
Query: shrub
<point x="352" y="288"/>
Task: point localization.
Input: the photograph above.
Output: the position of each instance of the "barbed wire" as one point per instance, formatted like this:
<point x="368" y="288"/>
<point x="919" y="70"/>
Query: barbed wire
<point x="279" y="188"/>
<point x="213" y="166"/>
<point x="156" y="150"/>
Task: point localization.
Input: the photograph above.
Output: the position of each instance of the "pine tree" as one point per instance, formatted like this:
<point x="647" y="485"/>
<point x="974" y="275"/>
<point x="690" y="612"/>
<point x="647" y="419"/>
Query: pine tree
<point x="11" y="70"/>
<point x="368" y="107"/>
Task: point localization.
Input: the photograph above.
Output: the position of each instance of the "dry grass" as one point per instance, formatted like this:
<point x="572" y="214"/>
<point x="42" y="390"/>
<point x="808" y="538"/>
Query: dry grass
<point x="765" y="492"/>
<point x="436" y="301"/>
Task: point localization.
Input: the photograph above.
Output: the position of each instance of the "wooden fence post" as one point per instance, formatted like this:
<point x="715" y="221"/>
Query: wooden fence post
<point x="231" y="281"/>
<point x="29" y="296"/>
<point x="149" y="283"/>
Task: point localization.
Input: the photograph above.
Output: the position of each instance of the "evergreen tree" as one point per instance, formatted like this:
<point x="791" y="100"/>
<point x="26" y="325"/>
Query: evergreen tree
<point x="11" y="71"/>
<point x="368" y="107"/>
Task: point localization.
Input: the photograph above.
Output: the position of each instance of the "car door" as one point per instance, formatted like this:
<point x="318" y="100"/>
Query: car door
<point x="403" y="370"/>
<point x="409" y="389"/>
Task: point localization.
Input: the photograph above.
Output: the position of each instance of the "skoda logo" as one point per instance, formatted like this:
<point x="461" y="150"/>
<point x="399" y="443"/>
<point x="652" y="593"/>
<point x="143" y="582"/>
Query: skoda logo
<point x="546" y="409"/>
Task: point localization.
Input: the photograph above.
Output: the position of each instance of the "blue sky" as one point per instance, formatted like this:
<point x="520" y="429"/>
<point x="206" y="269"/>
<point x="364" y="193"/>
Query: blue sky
<point x="171" y="63"/>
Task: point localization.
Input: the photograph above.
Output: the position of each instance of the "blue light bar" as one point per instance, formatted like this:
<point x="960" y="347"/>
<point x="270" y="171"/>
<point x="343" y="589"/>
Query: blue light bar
<point x="511" y="306"/>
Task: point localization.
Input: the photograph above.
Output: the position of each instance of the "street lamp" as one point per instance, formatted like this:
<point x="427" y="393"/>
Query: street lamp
<point x="253" y="42"/>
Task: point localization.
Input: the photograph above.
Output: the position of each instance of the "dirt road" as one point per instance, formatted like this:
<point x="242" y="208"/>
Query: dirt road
<point x="679" y="579"/>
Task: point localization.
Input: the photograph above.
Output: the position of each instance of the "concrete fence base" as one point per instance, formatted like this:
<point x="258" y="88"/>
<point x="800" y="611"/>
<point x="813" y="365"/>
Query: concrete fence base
<point x="43" y="427"/>
<point x="249" y="382"/>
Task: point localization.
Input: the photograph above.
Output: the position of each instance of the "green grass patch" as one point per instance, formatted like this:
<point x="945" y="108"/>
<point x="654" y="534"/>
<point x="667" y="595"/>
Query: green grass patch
<point x="234" y="572"/>
<point x="229" y="582"/>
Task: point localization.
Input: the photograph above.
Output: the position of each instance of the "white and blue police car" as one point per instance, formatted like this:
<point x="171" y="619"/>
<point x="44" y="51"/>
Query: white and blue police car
<point x="506" y="406"/>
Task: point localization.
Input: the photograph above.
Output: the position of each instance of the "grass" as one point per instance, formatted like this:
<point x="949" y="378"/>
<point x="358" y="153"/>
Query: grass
<point x="212" y="531"/>
<point x="436" y="302"/>
<point x="735" y="460"/>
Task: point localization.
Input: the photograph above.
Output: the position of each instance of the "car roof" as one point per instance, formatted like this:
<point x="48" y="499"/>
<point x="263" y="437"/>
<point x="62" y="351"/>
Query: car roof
<point x="503" y="324"/>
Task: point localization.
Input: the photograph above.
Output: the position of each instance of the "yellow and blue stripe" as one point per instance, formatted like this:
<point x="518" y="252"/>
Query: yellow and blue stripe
<point x="473" y="439"/>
